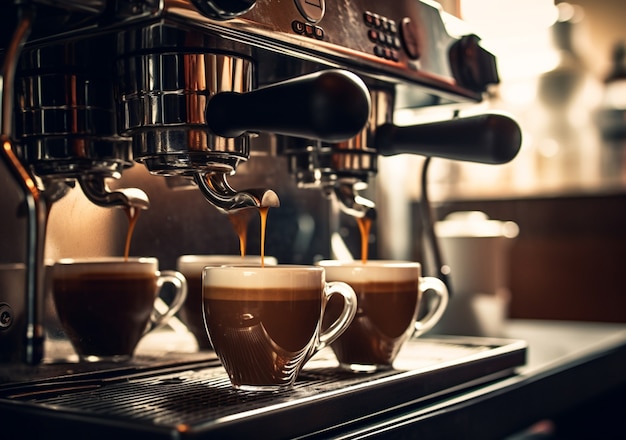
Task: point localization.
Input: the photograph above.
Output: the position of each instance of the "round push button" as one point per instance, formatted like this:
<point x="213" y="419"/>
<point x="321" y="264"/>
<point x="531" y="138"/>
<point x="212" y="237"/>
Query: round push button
<point x="409" y="35"/>
<point x="297" y="26"/>
<point x="6" y="316"/>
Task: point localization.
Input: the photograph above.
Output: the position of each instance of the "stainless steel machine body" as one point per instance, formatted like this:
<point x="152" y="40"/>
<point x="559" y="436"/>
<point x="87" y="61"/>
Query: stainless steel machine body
<point x="185" y="87"/>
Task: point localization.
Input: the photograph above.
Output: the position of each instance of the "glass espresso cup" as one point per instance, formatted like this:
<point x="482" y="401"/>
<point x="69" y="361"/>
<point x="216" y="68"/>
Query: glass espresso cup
<point x="389" y="294"/>
<point x="191" y="267"/>
<point x="106" y="305"/>
<point x="264" y="322"/>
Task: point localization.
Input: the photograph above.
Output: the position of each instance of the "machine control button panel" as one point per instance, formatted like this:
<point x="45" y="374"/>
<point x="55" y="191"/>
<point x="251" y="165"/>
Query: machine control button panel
<point x="406" y="38"/>
<point x="307" y="29"/>
<point x="383" y="32"/>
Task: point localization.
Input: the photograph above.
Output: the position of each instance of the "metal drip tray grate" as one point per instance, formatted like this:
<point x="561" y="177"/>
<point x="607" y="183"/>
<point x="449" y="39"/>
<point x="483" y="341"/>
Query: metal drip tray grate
<point x="199" y="401"/>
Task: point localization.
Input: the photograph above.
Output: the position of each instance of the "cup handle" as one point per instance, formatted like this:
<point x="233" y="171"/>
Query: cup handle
<point x="162" y="311"/>
<point x="434" y="286"/>
<point x="345" y="318"/>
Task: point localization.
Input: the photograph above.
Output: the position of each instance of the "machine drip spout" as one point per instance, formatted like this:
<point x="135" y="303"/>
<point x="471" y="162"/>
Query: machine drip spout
<point x="54" y="190"/>
<point x="98" y="192"/>
<point x="218" y="192"/>
<point x="353" y="204"/>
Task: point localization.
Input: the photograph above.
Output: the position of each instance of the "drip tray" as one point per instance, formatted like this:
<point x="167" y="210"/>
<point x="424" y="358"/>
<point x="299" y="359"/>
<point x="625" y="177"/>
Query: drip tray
<point x="196" y="400"/>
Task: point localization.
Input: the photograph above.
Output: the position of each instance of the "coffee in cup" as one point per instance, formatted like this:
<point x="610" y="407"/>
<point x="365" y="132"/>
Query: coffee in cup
<point x="264" y="322"/>
<point x="106" y="305"/>
<point x="191" y="267"/>
<point x="389" y="293"/>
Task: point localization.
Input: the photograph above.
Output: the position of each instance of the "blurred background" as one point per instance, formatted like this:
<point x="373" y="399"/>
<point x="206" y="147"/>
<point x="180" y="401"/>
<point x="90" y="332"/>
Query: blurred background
<point x="563" y="76"/>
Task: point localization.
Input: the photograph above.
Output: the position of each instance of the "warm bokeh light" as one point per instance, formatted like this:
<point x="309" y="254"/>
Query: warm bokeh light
<point x="517" y="31"/>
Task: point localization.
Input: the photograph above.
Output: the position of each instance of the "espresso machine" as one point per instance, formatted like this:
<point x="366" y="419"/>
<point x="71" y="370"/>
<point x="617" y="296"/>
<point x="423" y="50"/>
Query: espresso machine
<point x="193" y="89"/>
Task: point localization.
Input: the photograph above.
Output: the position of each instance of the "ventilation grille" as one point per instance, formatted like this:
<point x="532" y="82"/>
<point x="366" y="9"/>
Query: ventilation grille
<point x="201" y="399"/>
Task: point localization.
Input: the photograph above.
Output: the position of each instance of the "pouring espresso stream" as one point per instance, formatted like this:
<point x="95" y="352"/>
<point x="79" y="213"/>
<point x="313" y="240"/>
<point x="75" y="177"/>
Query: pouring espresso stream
<point x="240" y="218"/>
<point x="365" y="225"/>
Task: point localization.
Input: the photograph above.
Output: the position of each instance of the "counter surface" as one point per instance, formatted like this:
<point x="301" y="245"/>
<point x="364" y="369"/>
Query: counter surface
<point x="478" y="388"/>
<point x="574" y="378"/>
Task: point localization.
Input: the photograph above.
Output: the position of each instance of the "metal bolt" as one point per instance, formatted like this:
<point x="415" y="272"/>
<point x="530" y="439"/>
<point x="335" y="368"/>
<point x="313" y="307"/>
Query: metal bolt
<point x="6" y="316"/>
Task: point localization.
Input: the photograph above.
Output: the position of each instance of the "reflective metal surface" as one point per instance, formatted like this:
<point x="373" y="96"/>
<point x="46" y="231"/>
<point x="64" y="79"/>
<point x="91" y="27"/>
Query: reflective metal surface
<point x="163" y="97"/>
<point x="194" y="89"/>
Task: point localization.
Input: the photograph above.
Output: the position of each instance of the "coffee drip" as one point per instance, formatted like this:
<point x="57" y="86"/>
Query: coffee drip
<point x="132" y="214"/>
<point x="240" y="219"/>
<point x="365" y="225"/>
<point x="263" y="212"/>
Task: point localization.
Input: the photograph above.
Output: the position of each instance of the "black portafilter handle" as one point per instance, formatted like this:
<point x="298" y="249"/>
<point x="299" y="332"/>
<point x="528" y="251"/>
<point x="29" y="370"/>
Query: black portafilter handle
<point x="489" y="138"/>
<point x="331" y="105"/>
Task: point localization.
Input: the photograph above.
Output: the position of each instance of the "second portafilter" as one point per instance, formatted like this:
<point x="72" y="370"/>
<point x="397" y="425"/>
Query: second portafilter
<point x="342" y="168"/>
